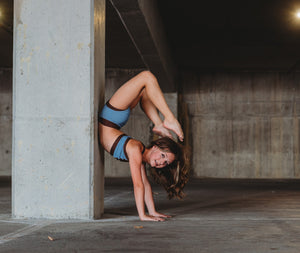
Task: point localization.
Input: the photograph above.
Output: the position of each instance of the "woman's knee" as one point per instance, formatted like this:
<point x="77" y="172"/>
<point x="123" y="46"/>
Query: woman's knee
<point x="148" y="76"/>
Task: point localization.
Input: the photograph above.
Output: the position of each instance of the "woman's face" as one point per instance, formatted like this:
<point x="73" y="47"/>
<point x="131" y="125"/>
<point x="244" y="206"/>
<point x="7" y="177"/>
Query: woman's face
<point x="159" y="158"/>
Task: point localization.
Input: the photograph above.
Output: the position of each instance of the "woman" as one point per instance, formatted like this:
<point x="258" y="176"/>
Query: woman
<point x="164" y="152"/>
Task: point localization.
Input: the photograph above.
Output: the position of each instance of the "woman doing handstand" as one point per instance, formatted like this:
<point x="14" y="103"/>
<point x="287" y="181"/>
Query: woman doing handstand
<point x="162" y="153"/>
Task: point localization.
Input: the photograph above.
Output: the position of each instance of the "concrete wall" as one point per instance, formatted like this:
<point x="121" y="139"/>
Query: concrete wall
<point x="138" y="125"/>
<point x="5" y="121"/>
<point x="244" y="125"/>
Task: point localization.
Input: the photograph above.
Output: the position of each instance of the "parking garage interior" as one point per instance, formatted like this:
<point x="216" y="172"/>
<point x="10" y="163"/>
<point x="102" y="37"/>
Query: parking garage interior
<point x="230" y="72"/>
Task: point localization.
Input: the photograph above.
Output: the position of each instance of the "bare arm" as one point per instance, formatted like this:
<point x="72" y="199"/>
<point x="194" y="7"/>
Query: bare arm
<point x="135" y="162"/>
<point x="148" y="192"/>
<point x="149" y="197"/>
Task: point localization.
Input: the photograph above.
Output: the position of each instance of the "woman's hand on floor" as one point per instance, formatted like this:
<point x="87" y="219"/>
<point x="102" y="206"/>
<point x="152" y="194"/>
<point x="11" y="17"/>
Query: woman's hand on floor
<point x="161" y="215"/>
<point x="151" y="218"/>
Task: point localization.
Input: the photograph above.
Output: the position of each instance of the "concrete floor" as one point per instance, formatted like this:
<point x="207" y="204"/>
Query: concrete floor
<point x="216" y="216"/>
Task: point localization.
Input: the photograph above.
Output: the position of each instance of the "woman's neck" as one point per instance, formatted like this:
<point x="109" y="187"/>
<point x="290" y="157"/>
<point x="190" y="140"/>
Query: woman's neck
<point x="146" y="156"/>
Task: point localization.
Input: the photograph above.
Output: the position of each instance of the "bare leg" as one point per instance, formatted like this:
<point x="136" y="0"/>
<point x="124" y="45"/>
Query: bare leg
<point x="131" y="92"/>
<point x="152" y="113"/>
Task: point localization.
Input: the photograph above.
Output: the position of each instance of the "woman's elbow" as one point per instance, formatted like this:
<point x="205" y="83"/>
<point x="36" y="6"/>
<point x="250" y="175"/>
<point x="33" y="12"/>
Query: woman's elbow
<point x="138" y="185"/>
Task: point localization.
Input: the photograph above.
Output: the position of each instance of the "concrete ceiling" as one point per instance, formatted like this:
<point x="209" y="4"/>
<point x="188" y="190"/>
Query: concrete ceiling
<point x="236" y="35"/>
<point x="233" y="34"/>
<point x="140" y="23"/>
<point x="203" y="35"/>
<point x="120" y="50"/>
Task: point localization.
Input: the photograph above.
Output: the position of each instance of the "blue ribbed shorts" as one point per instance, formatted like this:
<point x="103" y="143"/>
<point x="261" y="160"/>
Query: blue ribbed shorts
<point x="113" y="117"/>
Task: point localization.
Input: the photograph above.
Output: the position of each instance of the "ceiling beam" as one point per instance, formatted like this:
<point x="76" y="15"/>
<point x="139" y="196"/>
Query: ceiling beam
<point x="143" y="23"/>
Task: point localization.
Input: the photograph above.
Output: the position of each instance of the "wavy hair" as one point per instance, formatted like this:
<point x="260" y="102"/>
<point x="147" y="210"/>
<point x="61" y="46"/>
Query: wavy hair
<point x="174" y="176"/>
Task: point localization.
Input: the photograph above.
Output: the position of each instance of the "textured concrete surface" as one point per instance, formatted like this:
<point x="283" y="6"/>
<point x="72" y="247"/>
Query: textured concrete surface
<point x="246" y="123"/>
<point x="149" y="39"/>
<point x="58" y="79"/>
<point x="5" y="120"/>
<point x="217" y="216"/>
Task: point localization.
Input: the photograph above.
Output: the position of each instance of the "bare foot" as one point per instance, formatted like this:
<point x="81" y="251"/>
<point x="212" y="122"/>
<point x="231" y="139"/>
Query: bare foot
<point x="161" y="131"/>
<point x="175" y="127"/>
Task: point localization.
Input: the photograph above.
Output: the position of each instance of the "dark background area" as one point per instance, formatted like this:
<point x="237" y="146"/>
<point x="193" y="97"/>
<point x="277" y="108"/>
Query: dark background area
<point x="203" y="35"/>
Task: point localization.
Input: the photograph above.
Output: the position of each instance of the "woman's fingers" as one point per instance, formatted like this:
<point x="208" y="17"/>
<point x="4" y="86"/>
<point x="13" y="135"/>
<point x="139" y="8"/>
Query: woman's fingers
<point x="161" y="215"/>
<point x="166" y="216"/>
<point x="159" y="219"/>
<point x="152" y="218"/>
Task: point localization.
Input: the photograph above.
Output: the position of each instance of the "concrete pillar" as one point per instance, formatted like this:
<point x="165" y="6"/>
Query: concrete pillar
<point x="58" y="86"/>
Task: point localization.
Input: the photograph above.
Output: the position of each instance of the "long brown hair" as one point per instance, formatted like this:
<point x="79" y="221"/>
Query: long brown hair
<point x="174" y="176"/>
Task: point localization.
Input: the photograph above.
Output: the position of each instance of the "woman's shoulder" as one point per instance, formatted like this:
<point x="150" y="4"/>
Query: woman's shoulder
<point x="136" y="146"/>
